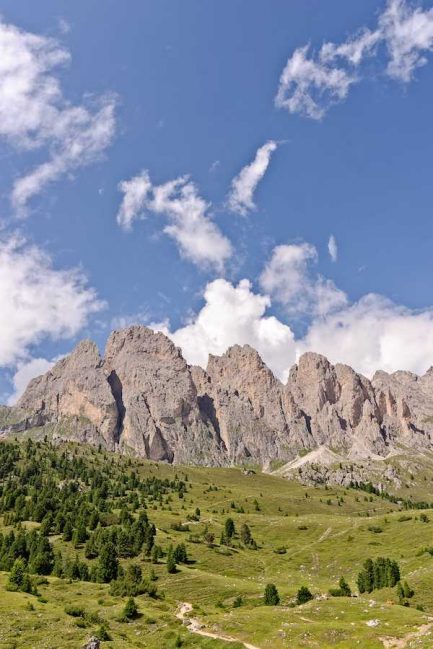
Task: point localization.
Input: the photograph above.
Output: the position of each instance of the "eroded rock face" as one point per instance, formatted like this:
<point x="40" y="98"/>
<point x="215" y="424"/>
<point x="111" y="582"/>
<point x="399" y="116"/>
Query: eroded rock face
<point x="152" y="382"/>
<point x="75" y="391"/>
<point x="240" y="395"/>
<point x="143" y="398"/>
<point x="405" y="401"/>
<point x="340" y="406"/>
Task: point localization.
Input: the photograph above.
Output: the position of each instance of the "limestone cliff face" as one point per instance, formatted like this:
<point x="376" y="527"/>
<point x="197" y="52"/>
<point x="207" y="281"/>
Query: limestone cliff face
<point x="143" y="398"/>
<point x="340" y="406"/>
<point x="75" y="390"/>
<point x="240" y="396"/>
<point x="157" y="399"/>
<point x="405" y="401"/>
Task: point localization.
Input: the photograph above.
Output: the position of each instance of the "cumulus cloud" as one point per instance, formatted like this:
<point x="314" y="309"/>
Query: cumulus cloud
<point x="310" y="84"/>
<point x="34" y="114"/>
<point x="189" y="224"/>
<point x="333" y="248"/>
<point x="370" y="334"/>
<point x="25" y="373"/>
<point x="289" y="279"/>
<point x="241" y="197"/>
<point x="37" y="300"/>
<point x="235" y="315"/>
<point x="374" y="333"/>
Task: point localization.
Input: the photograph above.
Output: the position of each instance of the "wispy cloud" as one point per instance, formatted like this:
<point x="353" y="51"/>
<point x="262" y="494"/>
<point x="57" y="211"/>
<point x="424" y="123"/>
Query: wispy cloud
<point x="333" y="248"/>
<point x="34" y="114"/>
<point x="241" y="197"/>
<point x="310" y="84"/>
<point x="189" y="223"/>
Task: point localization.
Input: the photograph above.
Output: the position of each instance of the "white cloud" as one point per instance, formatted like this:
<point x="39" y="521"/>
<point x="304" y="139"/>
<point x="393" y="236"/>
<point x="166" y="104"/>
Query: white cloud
<point x="288" y="279"/>
<point x="34" y="114"/>
<point x="241" y="197"/>
<point x="310" y="85"/>
<point x="235" y="315"/>
<point x="408" y="32"/>
<point x="333" y="248"/>
<point x="189" y="224"/>
<point x="374" y="333"/>
<point x="38" y="301"/>
<point x="135" y="193"/>
<point x="354" y="50"/>
<point x="26" y="371"/>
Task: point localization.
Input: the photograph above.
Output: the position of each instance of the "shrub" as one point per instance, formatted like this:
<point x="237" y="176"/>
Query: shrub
<point x="75" y="611"/>
<point x="343" y="589"/>
<point x="19" y="579"/>
<point x="130" y="610"/>
<point x="303" y="596"/>
<point x="103" y="634"/>
<point x="271" y="596"/>
<point x="281" y="550"/>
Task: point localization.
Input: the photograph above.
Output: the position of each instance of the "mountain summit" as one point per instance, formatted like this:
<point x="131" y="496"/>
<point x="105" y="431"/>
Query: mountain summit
<point x="144" y="399"/>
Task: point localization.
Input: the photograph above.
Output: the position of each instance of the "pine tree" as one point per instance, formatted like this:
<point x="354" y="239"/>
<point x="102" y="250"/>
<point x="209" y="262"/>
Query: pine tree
<point x="19" y="578"/>
<point x="271" y="596"/>
<point x="246" y="536"/>
<point x="131" y="609"/>
<point x="304" y="595"/>
<point x="229" y="529"/>
<point x="108" y="564"/>
<point x="171" y="562"/>
<point x="67" y="531"/>
<point x="344" y="587"/>
<point x="180" y="553"/>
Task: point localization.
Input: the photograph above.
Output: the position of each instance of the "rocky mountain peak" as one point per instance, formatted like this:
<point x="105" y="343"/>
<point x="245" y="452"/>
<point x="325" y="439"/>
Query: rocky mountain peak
<point x="143" y="398"/>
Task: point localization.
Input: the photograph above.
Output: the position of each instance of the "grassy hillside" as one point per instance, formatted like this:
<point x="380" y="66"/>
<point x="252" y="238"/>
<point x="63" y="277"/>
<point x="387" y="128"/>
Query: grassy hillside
<point x="301" y="537"/>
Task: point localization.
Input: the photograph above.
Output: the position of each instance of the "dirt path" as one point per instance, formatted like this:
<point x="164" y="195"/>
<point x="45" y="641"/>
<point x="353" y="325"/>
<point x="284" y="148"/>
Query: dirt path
<point x="195" y="626"/>
<point x="325" y="535"/>
<point x="401" y="643"/>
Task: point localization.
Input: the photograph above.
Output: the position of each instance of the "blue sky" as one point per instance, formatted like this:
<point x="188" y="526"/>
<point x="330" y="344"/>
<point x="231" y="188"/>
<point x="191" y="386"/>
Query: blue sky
<point x="148" y="92"/>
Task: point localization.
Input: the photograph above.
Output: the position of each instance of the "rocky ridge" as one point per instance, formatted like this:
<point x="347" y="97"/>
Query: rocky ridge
<point x="143" y="398"/>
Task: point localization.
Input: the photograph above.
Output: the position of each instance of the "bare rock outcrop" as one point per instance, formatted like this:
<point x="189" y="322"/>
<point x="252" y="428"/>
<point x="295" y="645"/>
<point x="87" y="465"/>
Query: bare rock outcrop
<point x="76" y="397"/>
<point x="157" y="399"/>
<point x="405" y="401"/>
<point x="240" y="396"/>
<point x="339" y="404"/>
<point x="143" y="398"/>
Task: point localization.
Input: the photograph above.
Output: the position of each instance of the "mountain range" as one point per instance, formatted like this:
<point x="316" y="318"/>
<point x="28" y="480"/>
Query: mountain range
<point x="142" y="398"/>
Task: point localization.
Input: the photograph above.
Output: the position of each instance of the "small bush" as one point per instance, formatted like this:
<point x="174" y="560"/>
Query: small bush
<point x="304" y="595"/>
<point x="75" y="611"/>
<point x="130" y="611"/>
<point x="281" y="550"/>
<point x="271" y="596"/>
<point x="102" y="633"/>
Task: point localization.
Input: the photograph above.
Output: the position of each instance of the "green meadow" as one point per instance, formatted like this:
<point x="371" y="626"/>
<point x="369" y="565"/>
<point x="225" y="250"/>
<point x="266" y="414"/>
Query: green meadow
<point x="303" y="536"/>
